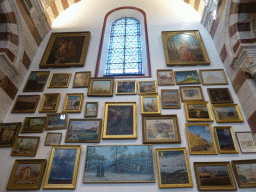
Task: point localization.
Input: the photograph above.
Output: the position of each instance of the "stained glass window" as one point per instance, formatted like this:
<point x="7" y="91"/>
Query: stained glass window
<point x="124" y="53"/>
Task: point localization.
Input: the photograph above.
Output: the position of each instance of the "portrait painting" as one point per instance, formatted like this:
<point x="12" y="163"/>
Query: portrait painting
<point x="91" y="109"/>
<point x="173" y="168"/>
<point x="25" y="104"/>
<point x="66" y="50"/>
<point x="217" y="176"/>
<point x="170" y="99"/>
<point x="126" y="87"/>
<point x="82" y="79"/>
<point x="53" y="139"/>
<point x="161" y="129"/>
<point x="84" y="131"/>
<point x="119" y="164"/>
<point x="165" y="77"/>
<point x="56" y="121"/>
<point x="60" y="80"/>
<point x="33" y="125"/>
<point x="73" y="103"/>
<point x="101" y="87"/>
<point x="147" y="87"/>
<point x="150" y="104"/>
<point x="25" y="146"/>
<point x="187" y="77"/>
<point x="120" y="120"/>
<point x="9" y="133"/>
<point x="36" y="81"/>
<point x="191" y="93"/>
<point x="213" y="77"/>
<point x="201" y="139"/>
<point x="50" y="103"/>
<point x="184" y="48"/>
<point x="62" y="169"/>
<point x="246" y="142"/>
<point x="27" y="174"/>
<point x="220" y="95"/>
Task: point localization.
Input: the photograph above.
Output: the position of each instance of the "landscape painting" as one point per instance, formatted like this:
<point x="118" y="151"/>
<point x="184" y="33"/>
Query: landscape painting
<point x="191" y="93"/>
<point x="198" y="111"/>
<point x="91" y="109"/>
<point x="36" y="81"/>
<point x="25" y="104"/>
<point x="187" y="77"/>
<point x="170" y="99"/>
<point x="147" y="87"/>
<point x="8" y="133"/>
<point x="119" y="164"/>
<point x="50" y="103"/>
<point x="126" y="87"/>
<point x="82" y="79"/>
<point x="53" y="139"/>
<point x="150" y="104"/>
<point x="165" y="77"/>
<point x="227" y="113"/>
<point x="56" y="121"/>
<point x="213" y="77"/>
<point x="60" y="80"/>
<point x="246" y="142"/>
<point x="33" y="125"/>
<point x="220" y="95"/>
<point x="101" y="87"/>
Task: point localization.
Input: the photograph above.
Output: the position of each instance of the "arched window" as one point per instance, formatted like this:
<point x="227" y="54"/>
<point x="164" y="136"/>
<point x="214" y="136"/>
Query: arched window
<point x="124" y="52"/>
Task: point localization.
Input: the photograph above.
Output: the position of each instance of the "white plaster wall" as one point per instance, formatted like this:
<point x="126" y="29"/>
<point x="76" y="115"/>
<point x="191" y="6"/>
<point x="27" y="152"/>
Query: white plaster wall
<point x="162" y="15"/>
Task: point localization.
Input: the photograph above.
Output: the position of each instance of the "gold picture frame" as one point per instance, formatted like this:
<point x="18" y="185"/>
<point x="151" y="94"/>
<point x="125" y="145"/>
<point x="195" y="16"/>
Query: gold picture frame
<point x="50" y="103"/>
<point x="56" y="121"/>
<point x="53" y="139"/>
<point x="68" y="157"/>
<point x="178" y="50"/>
<point x="66" y="49"/>
<point x="126" y="87"/>
<point x="198" y="111"/>
<point x="165" y="77"/>
<point x="200" y="139"/>
<point x="191" y="93"/>
<point x="227" y="113"/>
<point x="73" y="103"/>
<point x="208" y="179"/>
<point x="25" y="104"/>
<point x="8" y="133"/>
<point x="246" y="142"/>
<point x="150" y="104"/>
<point x="220" y="95"/>
<point x="36" y="81"/>
<point x="147" y="87"/>
<point x="91" y="109"/>
<point x="60" y="80"/>
<point x="34" y="125"/>
<point x="170" y="98"/>
<point x="82" y="79"/>
<point x="120" y="120"/>
<point x="187" y="77"/>
<point x="173" y="159"/>
<point x="101" y="87"/>
<point x="213" y="77"/>
<point x="226" y="139"/>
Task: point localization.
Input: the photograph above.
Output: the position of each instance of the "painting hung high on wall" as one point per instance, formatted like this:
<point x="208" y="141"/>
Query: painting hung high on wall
<point x="50" y="103"/>
<point x="147" y="87"/>
<point x="82" y="79"/>
<point x="126" y="87"/>
<point x="246" y="142"/>
<point x="170" y="99"/>
<point x="165" y="77"/>
<point x="53" y="139"/>
<point x="60" y="80"/>
<point x="220" y="95"/>
<point x="33" y="125"/>
<point x="119" y="164"/>
<point x="184" y="48"/>
<point x="36" y="81"/>
<point x="101" y="87"/>
<point x="150" y="104"/>
<point x="191" y="93"/>
<point x="9" y="133"/>
<point x="213" y="77"/>
<point x="66" y="50"/>
<point x="25" y="104"/>
<point x="91" y="109"/>
<point x="56" y="121"/>
<point x="73" y="103"/>
<point x="187" y="77"/>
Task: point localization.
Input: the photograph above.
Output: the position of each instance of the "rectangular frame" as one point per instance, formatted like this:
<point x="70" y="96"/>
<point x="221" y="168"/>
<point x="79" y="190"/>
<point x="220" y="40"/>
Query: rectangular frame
<point x="213" y="80"/>
<point x="126" y="90"/>
<point x="55" y="127"/>
<point x="55" y="104"/>
<point x="219" y="95"/>
<point x="46" y="143"/>
<point x="33" y="84"/>
<point x="8" y="137"/>
<point x="30" y="101"/>
<point x="28" y="128"/>
<point x="167" y="78"/>
<point x="192" y="77"/>
<point x="86" y="109"/>
<point x="55" y="75"/>
<point x="173" y="100"/>
<point x="65" y="110"/>
<point x="154" y="106"/>
<point x="100" y="92"/>
<point x="152" y="89"/>
<point x="247" y="141"/>
<point x="84" y="79"/>
<point x="190" y="94"/>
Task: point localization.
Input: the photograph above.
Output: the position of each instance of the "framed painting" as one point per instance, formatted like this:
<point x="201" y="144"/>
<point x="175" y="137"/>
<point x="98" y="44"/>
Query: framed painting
<point x="53" y="139"/>
<point x="227" y="113"/>
<point x="213" y="77"/>
<point x="60" y="80"/>
<point x="25" y="104"/>
<point x="214" y="176"/>
<point x="9" y="133"/>
<point x="126" y="87"/>
<point x="170" y="99"/>
<point x="150" y="104"/>
<point x="101" y="87"/>
<point x="220" y="95"/>
<point x="147" y="87"/>
<point x="246" y="142"/>
<point x="50" y="103"/>
<point x="27" y="174"/>
<point x="73" y="103"/>
<point x="198" y="111"/>
<point x="120" y="120"/>
<point x="91" y="109"/>
<point x="187" y="77"/>
<point x="226" y="141"/>
<point x="66" y="50"/>
<point x="161" y="129"/>
<point x="56" y="121"/>
<point x="245" y="172"/>
<point x="25" y="146"/>
<point x="36" y="81"/>
<point x="184" y="48"/>
<point x="62" y="167"/>
<point x="82" y="79"/>
<point x="165" y="77"/>
<point x="201" y="139"/>
<point x="33" y="125"/>
<point x="173" y="168"/>
<point x="119" y="164"/>
<point x="84" y="131"/>
<point x="191" y="93"/>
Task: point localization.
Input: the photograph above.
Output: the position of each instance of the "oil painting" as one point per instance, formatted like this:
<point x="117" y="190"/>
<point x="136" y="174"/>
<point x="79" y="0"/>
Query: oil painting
<point x="73" y="103"/>
<point x="187" y="77"/>
<point x="220" y="95"/>
<point x="165" y="77"/>
<point x="147" y="87"/>
<point x="119" y="164"/>
<point x="53" y="139"/>
<point x="60" y="80"/>
<point x="213" y="77"/>
<point x="36" y="81"/>
<point x="246" y="142"/>
<point x="9" y="133"/>
<point x="56" y="121"/>
<point x="101" y="87"/>
<point x="33" y="125"/>
<point x="91" y="109"/>
<point x="170" y="99"/>
<point x="150" y="104"/>
<point x="50" y="103"/>
<point x="191" y="93"/>
<point x="82" y="79"/>
<point x="25" y="104"/>
<point x="126" y="87"/>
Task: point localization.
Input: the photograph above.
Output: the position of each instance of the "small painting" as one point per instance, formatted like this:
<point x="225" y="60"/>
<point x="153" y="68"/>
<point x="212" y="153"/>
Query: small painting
<point x="217" y="176"/>
<point x="101" y="87"/>
<point x="82" y="79"/>
<point x="53" y="139"/>
<point x="25" y="104"/>
<point x="191" y="93"/>
<point x="60" y="80"/>
<point x="36" y="81"/>
<point x="62" y="169"/>
<point x="9" y="133"/>
<point x="25" y="146"/>
<point x="147" y="87"/>
<point x="33" y="125"/>
<point x="165" y="77"/>
<point x="187" y="77"/>
<point x="84" y="131"/>
<point x="200" y="139"/>
<point x="126" y="87"/>
<point x="220" y="95"/>
<point x="170" y="99"/>
<point x="246" y="142"/>
<point x="50" y="103"/>
<point x="120" y="120"/>
<point x="56" y="121"/>
<point x="119" y="164"/>
<point x="150" y="104"/>
<point x="91" y="109"/>
<point x="73" y="103"/>
<point x="213" y="77"/>
<point x="161" y="129"/>
<point x="173" y="168"/>
<point x="27" y="174"/>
